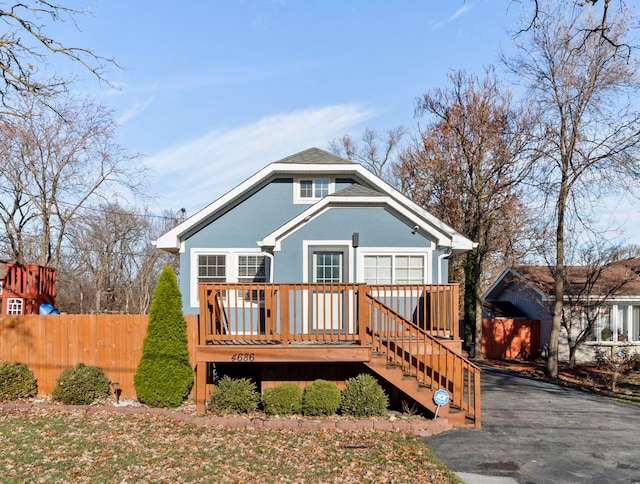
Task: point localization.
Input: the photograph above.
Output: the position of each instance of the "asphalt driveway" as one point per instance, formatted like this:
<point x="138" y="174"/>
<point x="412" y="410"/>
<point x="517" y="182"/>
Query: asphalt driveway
<point x="539" y="432"/>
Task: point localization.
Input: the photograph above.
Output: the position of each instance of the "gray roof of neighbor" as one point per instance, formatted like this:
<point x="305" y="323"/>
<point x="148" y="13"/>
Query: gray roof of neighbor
<point x="314" y="156"/>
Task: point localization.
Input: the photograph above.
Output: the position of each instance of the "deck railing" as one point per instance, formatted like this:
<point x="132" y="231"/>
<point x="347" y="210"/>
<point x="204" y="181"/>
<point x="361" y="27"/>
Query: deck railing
<point x="407" y="323"/>
<point x="305" y="312"/>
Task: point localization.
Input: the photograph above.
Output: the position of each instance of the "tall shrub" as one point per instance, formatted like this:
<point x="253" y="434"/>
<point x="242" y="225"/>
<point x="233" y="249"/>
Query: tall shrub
<point x="164" y="376"/>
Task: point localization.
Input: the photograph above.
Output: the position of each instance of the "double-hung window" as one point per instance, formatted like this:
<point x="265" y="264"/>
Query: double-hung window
<point x="394" y="269"/>
<point x="252" y="268"/>
<point x="234" y="265"/>
<point x="212" y="268"/>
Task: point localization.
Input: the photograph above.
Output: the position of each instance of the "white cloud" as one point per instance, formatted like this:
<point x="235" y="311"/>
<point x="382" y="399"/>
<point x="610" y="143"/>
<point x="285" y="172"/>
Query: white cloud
<point x="458" y="13"/>
<point x="461" y="11"/>
<point x="195" y="173"/>
<point x="133" y="111"/>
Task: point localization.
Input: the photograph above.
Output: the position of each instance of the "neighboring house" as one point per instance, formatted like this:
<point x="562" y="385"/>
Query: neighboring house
<point x="25" y="287"/>
<point x="290" y="256"/>
<point x="606" y="298"/>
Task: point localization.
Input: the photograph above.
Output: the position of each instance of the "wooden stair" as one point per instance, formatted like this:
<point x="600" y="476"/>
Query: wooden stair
<point x="419" y="364"/>
<point x="413" y="389"/>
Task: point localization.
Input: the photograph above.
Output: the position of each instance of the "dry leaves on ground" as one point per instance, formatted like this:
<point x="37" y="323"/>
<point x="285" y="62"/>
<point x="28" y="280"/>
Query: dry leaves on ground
<point x="62" y="445"/>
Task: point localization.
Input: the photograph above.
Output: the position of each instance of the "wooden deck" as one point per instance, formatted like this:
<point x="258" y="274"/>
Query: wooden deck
<point x="405" y="334"/>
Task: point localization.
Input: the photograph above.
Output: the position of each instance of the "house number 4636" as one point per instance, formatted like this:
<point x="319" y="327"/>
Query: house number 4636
<point x="243" y="357"/>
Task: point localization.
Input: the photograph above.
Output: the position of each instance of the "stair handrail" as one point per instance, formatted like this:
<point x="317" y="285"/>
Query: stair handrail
<point x="429" y="373"/>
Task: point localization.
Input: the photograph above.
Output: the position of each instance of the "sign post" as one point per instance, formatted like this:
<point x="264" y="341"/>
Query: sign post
<point x="440" y="397"/>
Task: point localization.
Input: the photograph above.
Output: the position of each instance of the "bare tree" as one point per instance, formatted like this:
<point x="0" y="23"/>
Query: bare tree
<point x="26" y="46"/>
<point x="590" y="127"/>
<point x="465" y="168"/>
<point x="589" y="288"/>
<point x="50" y="167"/>
<point x="375" y="154"/>
<point x="599" y="25"/>
<point x="110" y="264"/>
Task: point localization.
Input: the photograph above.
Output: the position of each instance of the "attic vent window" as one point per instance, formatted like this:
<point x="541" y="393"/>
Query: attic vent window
<point x="312" y="190"/>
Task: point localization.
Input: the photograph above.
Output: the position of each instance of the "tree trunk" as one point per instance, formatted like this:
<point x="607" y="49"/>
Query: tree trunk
<point x="558" y="277"/>
<point x="572" y="354"/>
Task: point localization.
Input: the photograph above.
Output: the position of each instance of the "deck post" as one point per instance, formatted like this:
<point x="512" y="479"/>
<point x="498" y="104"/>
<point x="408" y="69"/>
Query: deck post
<point x="363" y="313"/>
<point x="284" y="314"/>
<point x="201" y="386"/>
<point x="204" y="321"/>
<point x="455" y="331"/>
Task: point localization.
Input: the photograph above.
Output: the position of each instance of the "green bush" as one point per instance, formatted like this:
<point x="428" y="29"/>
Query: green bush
<point x="363" y="397"/>
<point x="164" y="375"/>
<point x="81" y="385"/>
<point x="320" y="397"/>
<point x="283" y="399"/>
<point x="234" y="395"/>
<point x="16" y="381"/>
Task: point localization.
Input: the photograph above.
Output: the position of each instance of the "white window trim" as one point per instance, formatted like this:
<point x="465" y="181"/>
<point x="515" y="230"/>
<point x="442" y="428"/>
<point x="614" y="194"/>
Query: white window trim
<point x="313" y="244"/>
<point x="11" y="301"/>
<point x="298" y="200"/>
<point x="231" y="267"/>
<point x="1" y="286"/>
<point x="616" y="323"/>
<point x="396" y="251"/>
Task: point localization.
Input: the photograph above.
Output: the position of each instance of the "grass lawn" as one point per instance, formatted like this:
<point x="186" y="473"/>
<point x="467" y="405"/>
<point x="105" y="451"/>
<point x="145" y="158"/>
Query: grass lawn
<point x="51" y="445"/>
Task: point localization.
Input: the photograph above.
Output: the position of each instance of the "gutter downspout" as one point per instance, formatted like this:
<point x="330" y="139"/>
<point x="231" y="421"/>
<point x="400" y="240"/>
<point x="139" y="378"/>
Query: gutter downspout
<point x="440" y="259"/>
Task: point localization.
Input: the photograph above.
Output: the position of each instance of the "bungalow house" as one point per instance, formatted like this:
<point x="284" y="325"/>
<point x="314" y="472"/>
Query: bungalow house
<point x="24" y="288"/>
<point x="601" y="304"/>
<point x="316" y="268"/>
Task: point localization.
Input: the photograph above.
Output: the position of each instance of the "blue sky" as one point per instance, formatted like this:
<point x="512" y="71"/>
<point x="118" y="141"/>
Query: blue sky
<point x="211" y="91"/>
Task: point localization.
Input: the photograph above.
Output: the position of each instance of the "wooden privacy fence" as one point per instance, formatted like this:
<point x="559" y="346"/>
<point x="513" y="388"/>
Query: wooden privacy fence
<point x="510" y="338"/>
<point x="49" y="344"/>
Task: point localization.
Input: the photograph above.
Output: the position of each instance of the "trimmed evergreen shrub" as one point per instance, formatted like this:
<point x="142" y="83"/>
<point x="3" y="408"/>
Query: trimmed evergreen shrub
<point x="363" y="397"/>
<point x="81" y="385"/>
<point x="320" y="397"/>
<point x="164" y="375"/>
<point x="16" y="381"/>
<point x="283" y="399"/>
<point x="234" y="395"/>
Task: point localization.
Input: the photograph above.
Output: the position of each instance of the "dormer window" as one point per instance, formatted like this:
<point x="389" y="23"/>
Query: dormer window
<point x="308" y="190"/>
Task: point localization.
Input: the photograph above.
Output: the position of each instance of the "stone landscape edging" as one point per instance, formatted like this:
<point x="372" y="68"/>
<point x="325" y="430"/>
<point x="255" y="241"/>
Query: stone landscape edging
<point x="420" y="427"/>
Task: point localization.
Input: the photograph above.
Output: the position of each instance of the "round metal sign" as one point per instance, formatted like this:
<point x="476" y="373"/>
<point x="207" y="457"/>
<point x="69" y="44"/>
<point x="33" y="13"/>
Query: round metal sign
<point x="441" y="397"/>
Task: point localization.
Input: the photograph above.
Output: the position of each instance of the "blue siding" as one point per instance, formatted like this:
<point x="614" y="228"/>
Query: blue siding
<point x="377" y="228"/>
<point x="242" y="226"/>
<point x="249" y="221"/>
<point x="272" y="206"/>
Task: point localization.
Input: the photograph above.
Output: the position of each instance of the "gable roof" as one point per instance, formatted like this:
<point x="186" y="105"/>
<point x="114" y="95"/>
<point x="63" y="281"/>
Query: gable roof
<point x="313" y="162"/>
<point x="617" y="279"/>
